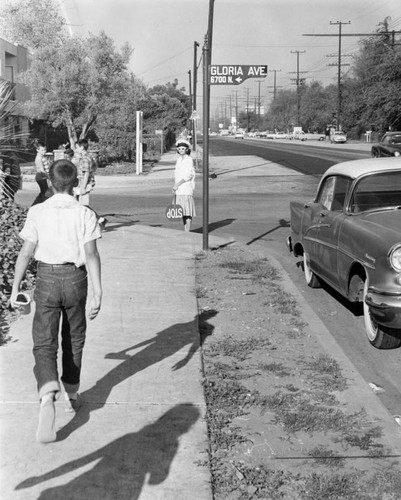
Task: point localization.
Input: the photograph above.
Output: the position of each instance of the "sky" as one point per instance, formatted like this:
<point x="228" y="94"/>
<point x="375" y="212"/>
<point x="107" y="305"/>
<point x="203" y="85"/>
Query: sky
<point x="245" y="32"/>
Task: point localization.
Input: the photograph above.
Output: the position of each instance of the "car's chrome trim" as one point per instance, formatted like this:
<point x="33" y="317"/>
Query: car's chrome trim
<point x="366" y="263"/>
<point x="376" y="291"/>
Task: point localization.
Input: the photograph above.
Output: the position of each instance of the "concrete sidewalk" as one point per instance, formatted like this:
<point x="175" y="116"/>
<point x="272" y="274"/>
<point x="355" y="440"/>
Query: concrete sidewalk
<point x="141" y="432"/>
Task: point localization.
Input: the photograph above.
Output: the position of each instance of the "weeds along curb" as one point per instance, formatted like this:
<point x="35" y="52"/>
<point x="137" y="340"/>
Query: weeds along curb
<point x="272" y="372"/>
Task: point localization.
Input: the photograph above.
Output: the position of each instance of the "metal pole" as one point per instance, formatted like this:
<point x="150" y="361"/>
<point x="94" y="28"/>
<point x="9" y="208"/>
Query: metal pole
<point x="206" y="96"/>
<point x="207" y="58"/>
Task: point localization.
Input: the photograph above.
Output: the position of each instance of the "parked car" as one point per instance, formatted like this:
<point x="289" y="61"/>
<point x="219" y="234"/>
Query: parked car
<point x="338" y="137"/>
<point x="261" y="134"/>
<point x="349" y="236"/>
<point x="280" y="135"/>
<point x="306" y="136"/>
<point x="239" y="134"/>
<point x="389" y="145"/>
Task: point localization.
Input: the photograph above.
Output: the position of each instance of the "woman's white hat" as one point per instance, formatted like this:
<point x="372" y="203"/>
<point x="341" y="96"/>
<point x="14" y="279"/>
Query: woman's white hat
<point x="182" y="142"/>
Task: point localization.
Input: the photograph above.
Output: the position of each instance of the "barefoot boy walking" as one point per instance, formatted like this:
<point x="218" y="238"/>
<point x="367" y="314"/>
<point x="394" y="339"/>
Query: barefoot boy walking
<point x="61" y="235"/>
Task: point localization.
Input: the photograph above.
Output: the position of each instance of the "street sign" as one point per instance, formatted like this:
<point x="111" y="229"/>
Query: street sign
<point x="231" y="74"/>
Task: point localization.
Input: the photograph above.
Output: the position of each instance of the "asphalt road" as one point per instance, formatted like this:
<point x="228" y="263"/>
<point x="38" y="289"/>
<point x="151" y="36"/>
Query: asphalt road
<point x="265" y="228"/>
<point x="254" y="209"/>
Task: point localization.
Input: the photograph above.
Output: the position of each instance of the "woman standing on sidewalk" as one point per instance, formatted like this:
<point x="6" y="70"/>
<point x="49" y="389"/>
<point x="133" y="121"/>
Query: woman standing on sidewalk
<point x="185" y="182"/>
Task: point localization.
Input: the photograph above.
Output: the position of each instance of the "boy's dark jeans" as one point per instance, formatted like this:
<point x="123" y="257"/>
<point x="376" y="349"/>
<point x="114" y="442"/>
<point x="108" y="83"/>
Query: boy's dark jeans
<point x="41" y="179"/>
<point x="60" y="293"/>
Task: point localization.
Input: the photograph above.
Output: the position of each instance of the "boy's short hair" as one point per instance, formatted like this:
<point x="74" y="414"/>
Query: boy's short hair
<point x="63" y="175"/>
<point x="84" y="144"/>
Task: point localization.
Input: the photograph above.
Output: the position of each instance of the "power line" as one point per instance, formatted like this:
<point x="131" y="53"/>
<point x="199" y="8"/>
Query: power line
<point x="166" y="60"/>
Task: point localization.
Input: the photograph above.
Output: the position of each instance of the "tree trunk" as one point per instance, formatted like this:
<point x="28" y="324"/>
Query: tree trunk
<point x="72" y="133"/>
<point x="86" y="127"/>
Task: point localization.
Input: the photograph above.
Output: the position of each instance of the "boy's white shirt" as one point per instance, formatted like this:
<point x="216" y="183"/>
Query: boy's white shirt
<point x="60" y="227"/>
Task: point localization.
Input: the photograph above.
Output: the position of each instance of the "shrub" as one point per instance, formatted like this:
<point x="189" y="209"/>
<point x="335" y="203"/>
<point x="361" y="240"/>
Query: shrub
<point x="12" y="218"/>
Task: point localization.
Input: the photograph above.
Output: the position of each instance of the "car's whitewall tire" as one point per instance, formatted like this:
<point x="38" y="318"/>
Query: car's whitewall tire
<point x="378" y="337"/>
<point x="311" y="279"/>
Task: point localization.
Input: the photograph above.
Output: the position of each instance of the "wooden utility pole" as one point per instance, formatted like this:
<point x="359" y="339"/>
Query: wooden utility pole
<point x="338" y="119"/>
<point x="247" y="109"/>
<point x="274" y="81"/>
<point x="297" y="82"/>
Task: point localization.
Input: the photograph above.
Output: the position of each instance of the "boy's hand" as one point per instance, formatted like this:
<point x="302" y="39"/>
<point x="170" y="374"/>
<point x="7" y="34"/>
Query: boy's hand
<point x="94" y="307"/>
<point x="12" y="300"/>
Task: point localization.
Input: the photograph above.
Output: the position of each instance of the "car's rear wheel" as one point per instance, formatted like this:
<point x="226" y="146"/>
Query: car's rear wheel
<point x="311" y="279"/>
<point x="378" y="336"/>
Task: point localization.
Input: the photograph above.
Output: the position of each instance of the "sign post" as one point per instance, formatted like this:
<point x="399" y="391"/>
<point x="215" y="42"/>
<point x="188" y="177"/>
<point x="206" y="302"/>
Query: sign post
<point x="139" y="150"/>
<point x="160" y="132"/>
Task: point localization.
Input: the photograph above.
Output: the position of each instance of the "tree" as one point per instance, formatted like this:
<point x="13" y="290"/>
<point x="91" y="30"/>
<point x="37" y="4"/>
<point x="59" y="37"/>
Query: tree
<point x="32" y="23"/>
<point x="318" y="104"/>
<point x="71" y="84"/>
<point x="283" y="111"/>
<point x="116" y="121"/>
<point x="372" y="97"/>
<point x="166" y="108"/>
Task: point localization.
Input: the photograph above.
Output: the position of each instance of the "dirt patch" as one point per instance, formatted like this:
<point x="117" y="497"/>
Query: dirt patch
<point x="278" y="426"/>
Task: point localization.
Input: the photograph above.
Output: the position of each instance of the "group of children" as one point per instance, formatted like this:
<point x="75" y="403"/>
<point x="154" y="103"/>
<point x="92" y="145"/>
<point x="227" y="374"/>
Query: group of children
<point x="60" y="233"/>
<point x="81" y="159"/>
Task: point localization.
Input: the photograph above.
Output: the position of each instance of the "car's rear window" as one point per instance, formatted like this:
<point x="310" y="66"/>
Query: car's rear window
<point x="377" y="191"/>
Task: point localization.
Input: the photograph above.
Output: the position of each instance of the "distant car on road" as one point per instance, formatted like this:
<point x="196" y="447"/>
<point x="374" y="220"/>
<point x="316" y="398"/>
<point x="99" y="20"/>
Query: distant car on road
<point x="389" y="145"/>
<point x="338" y="137"/>
<point x="349" y="236"/>
<point x="239" y="135"/>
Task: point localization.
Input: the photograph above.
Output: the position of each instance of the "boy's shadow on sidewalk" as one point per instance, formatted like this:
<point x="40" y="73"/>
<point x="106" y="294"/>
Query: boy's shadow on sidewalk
<point x="165" y="344"/>
<point x="121" y="468"/>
